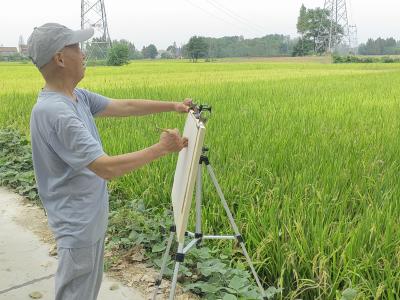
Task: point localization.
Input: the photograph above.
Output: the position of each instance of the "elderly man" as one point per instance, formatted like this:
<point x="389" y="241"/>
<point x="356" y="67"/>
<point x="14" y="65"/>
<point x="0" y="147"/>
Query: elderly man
<point x="71" y="167"/>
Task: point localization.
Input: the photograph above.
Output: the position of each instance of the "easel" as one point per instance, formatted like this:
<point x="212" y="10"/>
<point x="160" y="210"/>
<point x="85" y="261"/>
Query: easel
<point x="198" y="236"/>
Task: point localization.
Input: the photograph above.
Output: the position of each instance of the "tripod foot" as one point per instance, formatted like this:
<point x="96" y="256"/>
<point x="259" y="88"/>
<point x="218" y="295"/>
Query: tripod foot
<point x="164" y="262"/>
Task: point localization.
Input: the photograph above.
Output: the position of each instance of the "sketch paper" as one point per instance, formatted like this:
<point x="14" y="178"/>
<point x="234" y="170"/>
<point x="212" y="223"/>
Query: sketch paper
<point x="185" y="174"/>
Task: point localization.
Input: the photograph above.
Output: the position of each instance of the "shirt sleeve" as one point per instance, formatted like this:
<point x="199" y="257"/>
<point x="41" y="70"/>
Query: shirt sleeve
<point x="73" y="142"/>
<point x="97" y="103"/>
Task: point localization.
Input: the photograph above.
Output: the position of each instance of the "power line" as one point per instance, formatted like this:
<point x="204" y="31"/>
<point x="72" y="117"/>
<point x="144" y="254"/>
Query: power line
<point x="213" y="15"/>
<point x="207" y="12"/>
<point x="230" y="13"/>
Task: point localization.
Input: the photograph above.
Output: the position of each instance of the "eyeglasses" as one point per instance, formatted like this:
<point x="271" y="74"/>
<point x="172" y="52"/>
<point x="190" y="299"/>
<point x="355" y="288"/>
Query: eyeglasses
<point x="73" y="46"/>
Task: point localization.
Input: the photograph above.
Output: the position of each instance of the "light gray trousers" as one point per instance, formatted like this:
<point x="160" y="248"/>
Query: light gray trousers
<point x="79" y="272"/>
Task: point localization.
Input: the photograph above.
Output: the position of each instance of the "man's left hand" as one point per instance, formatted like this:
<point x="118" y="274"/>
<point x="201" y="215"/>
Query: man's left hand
<point x="184" y="106"/>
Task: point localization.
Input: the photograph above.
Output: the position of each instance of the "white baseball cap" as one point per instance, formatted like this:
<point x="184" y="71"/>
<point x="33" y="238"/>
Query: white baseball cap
<point x="46" y="40"/>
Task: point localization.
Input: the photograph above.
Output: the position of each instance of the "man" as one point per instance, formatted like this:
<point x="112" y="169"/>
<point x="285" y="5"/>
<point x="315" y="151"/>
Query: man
<point x="71" y="168"/>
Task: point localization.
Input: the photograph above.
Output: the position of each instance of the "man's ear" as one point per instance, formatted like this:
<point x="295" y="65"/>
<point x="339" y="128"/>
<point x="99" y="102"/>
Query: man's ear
<point x="59" y="59"/>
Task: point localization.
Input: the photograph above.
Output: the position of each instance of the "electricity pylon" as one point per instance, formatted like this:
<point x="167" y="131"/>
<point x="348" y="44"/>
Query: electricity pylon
<point x="93" y="14"/>
<point x="353" y="39"/>
<point x="335" y="32"/>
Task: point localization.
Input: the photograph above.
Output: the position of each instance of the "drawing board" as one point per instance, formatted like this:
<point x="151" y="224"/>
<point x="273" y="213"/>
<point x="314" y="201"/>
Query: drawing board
<point x="185" y="173"/>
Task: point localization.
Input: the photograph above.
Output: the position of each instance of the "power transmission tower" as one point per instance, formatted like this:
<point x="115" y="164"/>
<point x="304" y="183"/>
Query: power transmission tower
<point x="336" y="32"/>
<point x="93" y="14"/>
<point x="21" y="40"/>
<point x="353" y="39"/>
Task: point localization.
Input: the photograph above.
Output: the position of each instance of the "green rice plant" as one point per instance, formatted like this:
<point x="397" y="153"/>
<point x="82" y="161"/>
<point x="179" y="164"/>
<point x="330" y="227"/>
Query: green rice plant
<point x="307" y="155"/>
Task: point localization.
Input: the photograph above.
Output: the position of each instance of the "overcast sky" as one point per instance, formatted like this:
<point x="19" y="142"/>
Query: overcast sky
<point x="163" y="21"/>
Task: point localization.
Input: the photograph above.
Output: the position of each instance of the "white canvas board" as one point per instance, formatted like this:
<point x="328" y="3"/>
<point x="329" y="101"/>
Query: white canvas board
<point x="185" y="174"/>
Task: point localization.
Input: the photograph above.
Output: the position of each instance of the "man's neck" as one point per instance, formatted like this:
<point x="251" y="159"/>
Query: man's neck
<point x="67" y="90"/>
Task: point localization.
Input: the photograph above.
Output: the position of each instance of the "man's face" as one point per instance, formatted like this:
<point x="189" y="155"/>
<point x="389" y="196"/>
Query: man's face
<point x="74" y="62"/>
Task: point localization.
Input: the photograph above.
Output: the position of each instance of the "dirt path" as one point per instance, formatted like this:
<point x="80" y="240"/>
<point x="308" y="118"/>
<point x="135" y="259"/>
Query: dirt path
<point x="28" y="259"/>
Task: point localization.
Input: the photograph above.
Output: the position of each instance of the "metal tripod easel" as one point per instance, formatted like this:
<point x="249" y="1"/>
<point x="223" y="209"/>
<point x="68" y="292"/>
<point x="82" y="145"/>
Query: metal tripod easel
<point x="198" y="235"/>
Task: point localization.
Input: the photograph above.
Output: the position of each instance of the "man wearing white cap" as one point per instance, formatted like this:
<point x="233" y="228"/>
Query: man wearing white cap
<point x="71" y="168"/>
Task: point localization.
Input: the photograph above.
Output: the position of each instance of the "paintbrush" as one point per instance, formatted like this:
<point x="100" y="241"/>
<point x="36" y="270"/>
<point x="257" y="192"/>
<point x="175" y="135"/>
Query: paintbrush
<point x="162" y="129"/>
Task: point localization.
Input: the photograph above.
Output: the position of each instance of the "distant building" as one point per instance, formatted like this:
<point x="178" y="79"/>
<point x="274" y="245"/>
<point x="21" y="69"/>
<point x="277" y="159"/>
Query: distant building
<point x="6" y="52"/>
<point x="23" y="49"/>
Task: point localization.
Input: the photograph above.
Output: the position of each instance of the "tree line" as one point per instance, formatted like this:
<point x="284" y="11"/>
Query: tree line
<point x="198" y="47"/>
<point x="273" y="45"/>
<point x="310" y="22"/>
<point x="380" y="46"/>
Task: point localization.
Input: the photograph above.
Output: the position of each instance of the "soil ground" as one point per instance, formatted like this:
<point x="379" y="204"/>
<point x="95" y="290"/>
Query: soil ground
<point x="28" y="259"/>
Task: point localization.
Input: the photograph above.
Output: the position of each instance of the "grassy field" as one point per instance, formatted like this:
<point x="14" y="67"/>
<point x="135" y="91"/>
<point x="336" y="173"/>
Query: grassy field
<point x="308" y="156"/>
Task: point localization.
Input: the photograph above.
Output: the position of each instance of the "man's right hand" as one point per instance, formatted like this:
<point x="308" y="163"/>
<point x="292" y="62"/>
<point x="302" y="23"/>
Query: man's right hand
<point x="171" y="141"/>
<point x="110" y="167"/>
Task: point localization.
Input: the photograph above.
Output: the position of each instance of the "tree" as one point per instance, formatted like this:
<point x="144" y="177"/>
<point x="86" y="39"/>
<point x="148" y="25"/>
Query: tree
<point x="197" y="47"/>
<point x="303" y="47"/>
<point x="318" y="20"/>
<point x="167" y="55"/>
<point x="118" y="55"/>
<point x="137" y="55"/>
<point x="130" y="45"/>
<point x="150" y="51"/>
<point x="309" y="25"/>
<point x="173" y="49"/>
<point x="301" y="28"/>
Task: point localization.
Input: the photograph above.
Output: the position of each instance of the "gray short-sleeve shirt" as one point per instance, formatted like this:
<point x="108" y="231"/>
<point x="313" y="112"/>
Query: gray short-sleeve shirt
<point x="64" y="142"/>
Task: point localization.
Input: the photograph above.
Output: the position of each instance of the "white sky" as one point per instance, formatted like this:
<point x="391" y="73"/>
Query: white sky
<point x="163" y="21"/>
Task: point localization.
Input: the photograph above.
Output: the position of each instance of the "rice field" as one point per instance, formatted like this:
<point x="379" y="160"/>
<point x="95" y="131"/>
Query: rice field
<point x="307" y="154"/>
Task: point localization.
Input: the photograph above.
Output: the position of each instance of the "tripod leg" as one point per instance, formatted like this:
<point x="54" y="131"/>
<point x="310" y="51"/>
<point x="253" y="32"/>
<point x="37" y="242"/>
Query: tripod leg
<point x="164" y="261"/>
<point x="252" y="267"/>
<point x="198" y="233"/>
<point x="235" y="228"/>
<point x="179" y="258"/>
